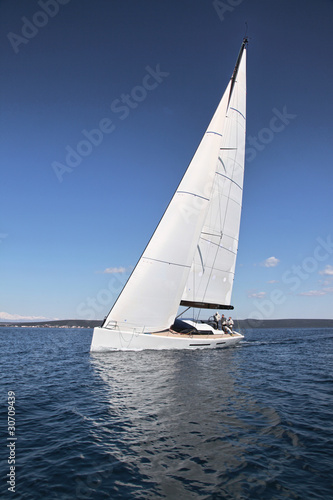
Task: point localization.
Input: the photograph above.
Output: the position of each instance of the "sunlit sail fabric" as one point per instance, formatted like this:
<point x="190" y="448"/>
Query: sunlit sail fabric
<point x="151" y="297"/>
<point x="196" y="239"/>
<point x="212" y="272"/>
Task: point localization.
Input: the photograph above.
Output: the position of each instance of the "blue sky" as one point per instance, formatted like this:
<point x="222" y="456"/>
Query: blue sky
<point x="72" y="225"/>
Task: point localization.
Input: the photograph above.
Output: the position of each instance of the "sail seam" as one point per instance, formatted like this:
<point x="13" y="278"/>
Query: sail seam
<point x="166" y="262"/>
<point x="233" y="160"/>
<point x="231" y="180"/>
<point x="238" y="112"/>
<point x="235" y="163"/>
<point x="211" y="234"/>
<point x="218" y="235"/>
<point x="221" y="270"/>
<point x="220" y="246"/>
<point x="193" y="194"/>
<point x="215" y="133"/>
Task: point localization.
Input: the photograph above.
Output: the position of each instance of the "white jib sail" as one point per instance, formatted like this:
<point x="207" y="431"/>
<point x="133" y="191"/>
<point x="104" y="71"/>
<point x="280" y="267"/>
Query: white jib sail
<point x="212" y="273"/>
<point x="150" y="299"/>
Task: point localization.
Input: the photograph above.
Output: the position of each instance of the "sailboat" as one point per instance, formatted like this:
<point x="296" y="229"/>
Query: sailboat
<point x="190" y="259"/>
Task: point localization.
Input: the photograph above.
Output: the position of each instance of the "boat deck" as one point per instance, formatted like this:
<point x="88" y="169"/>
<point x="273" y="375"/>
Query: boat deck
<point x="171" y="333"/>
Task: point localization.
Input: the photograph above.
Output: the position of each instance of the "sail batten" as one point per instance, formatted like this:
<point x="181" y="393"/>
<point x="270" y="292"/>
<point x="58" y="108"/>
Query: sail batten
<point x="205" y="305"/>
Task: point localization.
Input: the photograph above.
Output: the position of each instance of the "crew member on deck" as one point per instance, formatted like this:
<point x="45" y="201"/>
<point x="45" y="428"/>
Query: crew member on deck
<point x="224" y="323"/>
<point x="230" y="323"/>
<point x="217" y="318"/>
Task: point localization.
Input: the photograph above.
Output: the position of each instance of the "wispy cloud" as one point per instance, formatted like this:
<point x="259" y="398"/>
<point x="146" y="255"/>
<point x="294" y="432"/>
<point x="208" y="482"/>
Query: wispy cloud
<point x="313" y="293"/>
<point x="270" y="262"/>
<point x="272" y="281"/>
<point x="257" y="295"/>
<point x="326" y="282"/>
<point x="328" y="271"/>
<point x="17" y="317"/>
<point x="317" y="293"/>
<point x="115" y="270"/>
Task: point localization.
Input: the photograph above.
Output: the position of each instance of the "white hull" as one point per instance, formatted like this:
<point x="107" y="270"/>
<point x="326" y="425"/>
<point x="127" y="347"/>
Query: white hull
<point x="111" y="340"/>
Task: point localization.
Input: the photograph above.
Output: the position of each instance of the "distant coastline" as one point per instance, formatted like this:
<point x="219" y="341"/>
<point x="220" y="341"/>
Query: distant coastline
<point x="239" y="324"/>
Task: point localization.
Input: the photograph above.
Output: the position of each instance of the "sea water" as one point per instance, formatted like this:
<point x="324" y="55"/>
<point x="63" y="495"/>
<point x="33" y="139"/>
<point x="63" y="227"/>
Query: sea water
<point x="249" y="422"/>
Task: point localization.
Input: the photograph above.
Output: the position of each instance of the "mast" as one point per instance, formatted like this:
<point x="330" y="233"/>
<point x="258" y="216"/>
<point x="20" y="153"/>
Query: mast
<point x="239" y="58"/>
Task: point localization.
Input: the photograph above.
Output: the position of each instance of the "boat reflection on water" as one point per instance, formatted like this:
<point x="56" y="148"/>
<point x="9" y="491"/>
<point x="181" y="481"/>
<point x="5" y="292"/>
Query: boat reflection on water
<point x="182" y="422"/>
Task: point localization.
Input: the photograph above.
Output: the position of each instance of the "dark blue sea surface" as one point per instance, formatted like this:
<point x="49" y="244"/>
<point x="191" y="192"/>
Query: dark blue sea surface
<point x="250" y="422"/>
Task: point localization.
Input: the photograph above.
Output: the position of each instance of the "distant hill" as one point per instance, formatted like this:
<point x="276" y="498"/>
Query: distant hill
<point x="64" y="323"/>
<point x="284" y="323"/>
<point x="239" y="324"/>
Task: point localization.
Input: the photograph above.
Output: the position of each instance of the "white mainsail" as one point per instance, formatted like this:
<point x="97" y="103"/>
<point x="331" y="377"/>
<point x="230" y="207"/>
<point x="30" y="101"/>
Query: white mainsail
<point x="194" y="246"/>
<point x="212" y="273"/>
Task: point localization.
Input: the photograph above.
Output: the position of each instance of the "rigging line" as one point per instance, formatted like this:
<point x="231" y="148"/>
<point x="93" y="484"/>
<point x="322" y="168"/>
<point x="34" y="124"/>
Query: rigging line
<point x="217" y="244"/>
<point x="222" y="224"/>
<point x="236" y="163"/>
<point x="202" y="277"/>
<point x="213" y="266"/>
<point x="182" y="312"/>
<point x="228" y="199"/>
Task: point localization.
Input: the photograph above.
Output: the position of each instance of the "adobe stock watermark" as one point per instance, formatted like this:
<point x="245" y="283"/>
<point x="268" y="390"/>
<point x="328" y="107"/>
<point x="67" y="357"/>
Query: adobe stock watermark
<point x="31" y="27"/>
<point x="278" y="123"/>
<point x="94" y="307"/>
<point x="191" y="208"/>
<point x="121" y="108"/>
<point x="87" y="486"/>
<point x="293" y="278"/>
<point x="11" y="445"/>
<point x="224" y="7"/>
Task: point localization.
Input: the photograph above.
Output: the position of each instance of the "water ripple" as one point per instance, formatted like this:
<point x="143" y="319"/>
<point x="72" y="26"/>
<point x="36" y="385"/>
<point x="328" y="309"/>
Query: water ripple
<point x="246" y="423"/>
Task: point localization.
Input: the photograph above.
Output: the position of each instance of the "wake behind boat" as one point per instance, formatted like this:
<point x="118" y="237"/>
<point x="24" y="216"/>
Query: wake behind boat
<point x="190" y="259"/>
